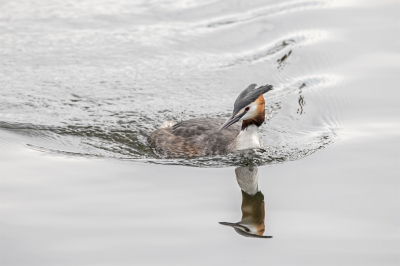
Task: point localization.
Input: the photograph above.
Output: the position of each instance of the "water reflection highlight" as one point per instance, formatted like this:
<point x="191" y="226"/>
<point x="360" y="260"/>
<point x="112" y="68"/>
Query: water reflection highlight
<point x="252" y="223"/>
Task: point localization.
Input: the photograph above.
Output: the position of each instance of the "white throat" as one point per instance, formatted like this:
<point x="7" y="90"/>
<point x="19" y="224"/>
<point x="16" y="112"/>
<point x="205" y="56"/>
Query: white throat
<point x="247" y="139"/>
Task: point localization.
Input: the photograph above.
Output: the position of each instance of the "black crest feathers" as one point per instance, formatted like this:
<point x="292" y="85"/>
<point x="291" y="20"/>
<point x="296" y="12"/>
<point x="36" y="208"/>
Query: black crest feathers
<point x="249" y="95"/>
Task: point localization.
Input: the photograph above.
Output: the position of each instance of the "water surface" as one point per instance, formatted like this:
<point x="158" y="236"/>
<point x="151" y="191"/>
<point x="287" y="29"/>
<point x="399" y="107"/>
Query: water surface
<point x="83" y="82"/>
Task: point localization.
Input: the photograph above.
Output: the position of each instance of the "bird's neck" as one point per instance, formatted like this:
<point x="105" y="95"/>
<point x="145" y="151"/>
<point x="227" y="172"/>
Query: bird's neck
<point x="255" y="121"/>
<point x="248" y="136"/>
<point x="247" y="139"/>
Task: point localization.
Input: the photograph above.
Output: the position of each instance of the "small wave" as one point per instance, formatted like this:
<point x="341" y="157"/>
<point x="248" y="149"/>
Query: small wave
<point x="275" y="48"/>
<point x="265" y="11"/>
<point x="260" y="53"/>
<point x="307" y="83"/>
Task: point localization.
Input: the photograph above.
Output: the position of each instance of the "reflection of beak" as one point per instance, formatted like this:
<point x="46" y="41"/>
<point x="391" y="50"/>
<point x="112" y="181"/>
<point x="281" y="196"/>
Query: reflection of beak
<point x="243" y="230"/>
<point x="231" y="224"/>
<point x="232" y="120"/>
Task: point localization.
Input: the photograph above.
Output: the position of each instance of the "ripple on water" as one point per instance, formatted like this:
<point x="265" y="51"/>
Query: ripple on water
<point x="123" y="80"/>
<point x="125" y="138"/>
<point x="265" y="11"/>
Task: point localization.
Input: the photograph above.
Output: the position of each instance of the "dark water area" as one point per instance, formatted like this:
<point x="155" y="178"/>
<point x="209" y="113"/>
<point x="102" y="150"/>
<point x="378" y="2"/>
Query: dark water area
<point x="82" y="83"/>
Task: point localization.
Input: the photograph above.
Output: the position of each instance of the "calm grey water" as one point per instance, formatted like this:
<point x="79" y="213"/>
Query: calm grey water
<point x="83" y="82"/>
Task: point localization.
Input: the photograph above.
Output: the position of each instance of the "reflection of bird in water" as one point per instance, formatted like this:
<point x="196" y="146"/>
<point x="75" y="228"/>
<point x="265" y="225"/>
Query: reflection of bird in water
<point x="210" y="136"/>
<point x="253" y="211"/>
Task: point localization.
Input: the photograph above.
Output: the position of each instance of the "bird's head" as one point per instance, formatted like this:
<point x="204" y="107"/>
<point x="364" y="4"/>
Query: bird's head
<point x="246" y="230"/>
<point x="249" y="104"/>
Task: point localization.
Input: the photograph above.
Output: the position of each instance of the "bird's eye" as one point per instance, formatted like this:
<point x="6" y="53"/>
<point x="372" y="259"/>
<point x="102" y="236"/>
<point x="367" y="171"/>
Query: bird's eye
<point x="247" y="108"/>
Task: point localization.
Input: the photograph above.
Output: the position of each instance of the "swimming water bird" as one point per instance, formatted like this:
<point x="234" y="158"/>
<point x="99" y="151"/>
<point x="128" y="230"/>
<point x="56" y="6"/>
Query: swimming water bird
<point x="211" y="136"/>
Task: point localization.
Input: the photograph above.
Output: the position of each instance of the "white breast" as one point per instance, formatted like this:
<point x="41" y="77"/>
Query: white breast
<point x="247" y="139"/>
<point x="247" y="179"/>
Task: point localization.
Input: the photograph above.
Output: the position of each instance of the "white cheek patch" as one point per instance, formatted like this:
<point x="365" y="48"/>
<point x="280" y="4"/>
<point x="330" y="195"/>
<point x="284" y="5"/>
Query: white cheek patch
<point x="252" y="112"/>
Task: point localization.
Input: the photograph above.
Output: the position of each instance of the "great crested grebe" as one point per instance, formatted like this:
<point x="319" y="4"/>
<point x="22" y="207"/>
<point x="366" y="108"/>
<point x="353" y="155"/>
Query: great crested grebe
<point x="211" y="136"/>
